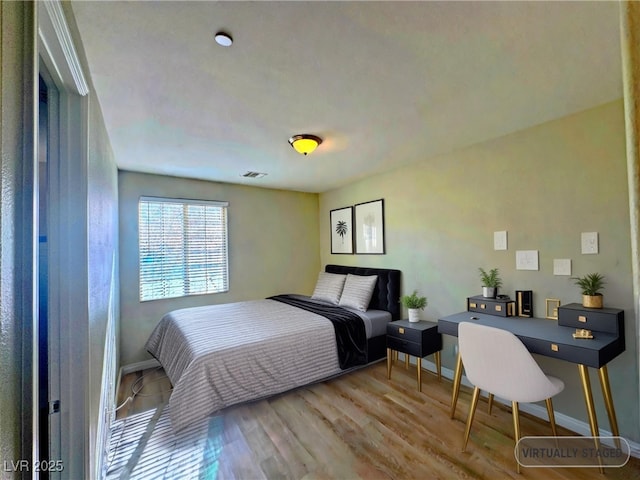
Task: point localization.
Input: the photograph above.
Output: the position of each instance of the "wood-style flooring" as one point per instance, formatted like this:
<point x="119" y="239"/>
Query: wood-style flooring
<point x="361" y="425"/>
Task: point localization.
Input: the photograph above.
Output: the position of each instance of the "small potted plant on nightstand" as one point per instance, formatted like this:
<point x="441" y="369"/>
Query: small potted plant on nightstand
<point x="414" y="304"/>
<point x="490" y="282"/>
<point x="590" y="286"/>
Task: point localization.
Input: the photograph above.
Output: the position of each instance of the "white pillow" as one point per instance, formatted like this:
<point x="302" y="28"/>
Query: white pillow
<point x="357" y="291"/>
<point x="329" y="287"/>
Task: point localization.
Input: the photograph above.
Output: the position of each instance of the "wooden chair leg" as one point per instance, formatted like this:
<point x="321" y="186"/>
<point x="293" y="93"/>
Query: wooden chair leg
<point x="516" y="426"/>
<point x="552" y="417"/>
<point x="472" y="411"/>
<point x="490" y="402"/>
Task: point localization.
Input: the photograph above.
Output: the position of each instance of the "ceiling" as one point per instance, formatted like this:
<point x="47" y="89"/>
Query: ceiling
<point x="384" y="84"/>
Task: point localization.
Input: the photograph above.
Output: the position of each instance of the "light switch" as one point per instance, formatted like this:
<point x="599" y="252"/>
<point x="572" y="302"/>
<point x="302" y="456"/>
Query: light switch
<point x="589" y="242"/>
<point x="500" y="240"/>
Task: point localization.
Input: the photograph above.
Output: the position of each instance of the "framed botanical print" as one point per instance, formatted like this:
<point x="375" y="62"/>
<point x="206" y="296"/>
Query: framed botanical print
<point x="341" y="220"/>
<point x="369" y="227"/>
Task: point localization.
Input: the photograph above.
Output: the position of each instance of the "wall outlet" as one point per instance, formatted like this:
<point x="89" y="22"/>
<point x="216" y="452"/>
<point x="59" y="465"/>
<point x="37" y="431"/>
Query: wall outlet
<point x="589" y="242"/>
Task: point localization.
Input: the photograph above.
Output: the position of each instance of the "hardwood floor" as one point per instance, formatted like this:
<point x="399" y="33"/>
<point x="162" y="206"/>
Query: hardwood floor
<point x="362" y="425"/>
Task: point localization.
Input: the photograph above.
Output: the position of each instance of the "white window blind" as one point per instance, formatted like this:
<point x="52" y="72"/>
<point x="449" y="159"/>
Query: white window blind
<point x="183" y="247"/>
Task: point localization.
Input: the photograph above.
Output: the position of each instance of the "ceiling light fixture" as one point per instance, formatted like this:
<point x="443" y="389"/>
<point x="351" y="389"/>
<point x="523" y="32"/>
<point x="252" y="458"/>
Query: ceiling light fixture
<point x="223" y="39"/>
<point x="305" y="143"/>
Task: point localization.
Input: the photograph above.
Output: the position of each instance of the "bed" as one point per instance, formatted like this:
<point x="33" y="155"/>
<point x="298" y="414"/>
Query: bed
<point x="220" y="355"/>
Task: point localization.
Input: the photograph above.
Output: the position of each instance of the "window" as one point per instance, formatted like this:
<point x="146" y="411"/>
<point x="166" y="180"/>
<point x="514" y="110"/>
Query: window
<point x="183" y="247"/>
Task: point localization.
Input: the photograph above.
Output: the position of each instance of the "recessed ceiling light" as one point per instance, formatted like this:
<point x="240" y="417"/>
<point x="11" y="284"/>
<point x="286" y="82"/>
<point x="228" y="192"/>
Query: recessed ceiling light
<point x="223" y="39"/>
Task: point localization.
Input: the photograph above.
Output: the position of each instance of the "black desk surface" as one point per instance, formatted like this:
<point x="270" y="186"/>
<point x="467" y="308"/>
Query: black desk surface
<point x="545" y="337"/>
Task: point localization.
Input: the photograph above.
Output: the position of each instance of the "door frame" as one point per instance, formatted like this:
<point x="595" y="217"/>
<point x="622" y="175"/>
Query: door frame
<point x="68" y="255"/>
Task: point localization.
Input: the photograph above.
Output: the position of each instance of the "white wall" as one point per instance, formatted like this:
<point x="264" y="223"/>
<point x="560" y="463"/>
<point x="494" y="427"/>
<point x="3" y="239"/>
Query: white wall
<point x="15" y="45"/>
<point x="273" y="248"/>
<point x="544" y="185"/>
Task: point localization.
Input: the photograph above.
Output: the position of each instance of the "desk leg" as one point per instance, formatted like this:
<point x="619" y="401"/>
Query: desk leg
<point x="608" y="400"/>
<point x="406" y="361"/>
<point x="438" y="365"/>
<point x="588" y="398"/>
<point x="591" y="411"/>
<point x="457" y="377"/>
<point x="389" y="362"/>
<point x="419" y="368"/>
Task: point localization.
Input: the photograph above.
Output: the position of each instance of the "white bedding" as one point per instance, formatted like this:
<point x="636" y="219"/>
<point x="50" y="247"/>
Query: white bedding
<point x="220" y="355"/>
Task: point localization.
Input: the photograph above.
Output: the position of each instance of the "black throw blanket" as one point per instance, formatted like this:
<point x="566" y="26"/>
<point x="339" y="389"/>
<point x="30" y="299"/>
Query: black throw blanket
<point x="351" y="337"/>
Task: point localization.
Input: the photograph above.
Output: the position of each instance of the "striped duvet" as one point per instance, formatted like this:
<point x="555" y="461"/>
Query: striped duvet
<point x="219" y="355"/>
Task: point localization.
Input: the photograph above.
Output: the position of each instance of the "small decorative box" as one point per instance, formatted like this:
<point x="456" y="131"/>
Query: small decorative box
<point x="502" y="307"/>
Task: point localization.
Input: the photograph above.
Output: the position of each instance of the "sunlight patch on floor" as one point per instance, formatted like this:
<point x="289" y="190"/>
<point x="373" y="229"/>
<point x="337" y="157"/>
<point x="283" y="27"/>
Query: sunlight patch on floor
<point x="143" y="446"/>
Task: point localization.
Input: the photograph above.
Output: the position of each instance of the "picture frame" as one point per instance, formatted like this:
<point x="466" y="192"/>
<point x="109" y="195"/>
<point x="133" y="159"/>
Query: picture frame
<point x="341" y="225"/>
<point x="551" y="308"/>
<point x="369" y="227"/>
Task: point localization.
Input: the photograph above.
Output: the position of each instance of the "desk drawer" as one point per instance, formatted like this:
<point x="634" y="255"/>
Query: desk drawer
<point x="608" y="320"/>
<point x="404" y="346"/>
<point x="562" y="351"/>
<point x="491" y="306"/>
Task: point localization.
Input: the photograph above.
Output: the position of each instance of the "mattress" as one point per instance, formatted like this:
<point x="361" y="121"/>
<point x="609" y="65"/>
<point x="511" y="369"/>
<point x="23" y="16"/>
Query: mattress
<point x="220" y="355"/>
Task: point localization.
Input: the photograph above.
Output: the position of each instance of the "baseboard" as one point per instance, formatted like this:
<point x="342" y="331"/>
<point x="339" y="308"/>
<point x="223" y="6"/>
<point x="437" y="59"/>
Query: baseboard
<point x="132" y="367"/>
<point x="136" y="367"/>
<point x="578" y="426"/>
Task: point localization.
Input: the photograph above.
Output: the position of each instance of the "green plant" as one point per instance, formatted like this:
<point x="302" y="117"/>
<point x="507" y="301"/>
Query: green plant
<point x="491" y="279"/>
<point x="590" y="284"/>
<point x="414" y="301"/>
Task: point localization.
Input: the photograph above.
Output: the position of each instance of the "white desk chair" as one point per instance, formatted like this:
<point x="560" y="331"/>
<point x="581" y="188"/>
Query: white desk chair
<point x="497" y="362"/>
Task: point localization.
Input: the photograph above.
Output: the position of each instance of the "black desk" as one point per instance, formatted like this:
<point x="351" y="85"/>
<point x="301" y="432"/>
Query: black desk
<point x="546" y="337"/>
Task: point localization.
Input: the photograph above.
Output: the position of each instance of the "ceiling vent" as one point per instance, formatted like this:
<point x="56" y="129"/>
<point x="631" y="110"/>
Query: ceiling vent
<point x="253" y="175"/>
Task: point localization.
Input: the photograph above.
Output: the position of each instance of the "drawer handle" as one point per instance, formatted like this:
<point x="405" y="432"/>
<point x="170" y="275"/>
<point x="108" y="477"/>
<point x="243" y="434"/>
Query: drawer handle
<point x="482" y="305"/>
<point x="582" y="318"/>
<point x="401" y="331"/>
<point x="473" y="305"/>
<point x="554" y="347"/>
<point x="498" y="308"/>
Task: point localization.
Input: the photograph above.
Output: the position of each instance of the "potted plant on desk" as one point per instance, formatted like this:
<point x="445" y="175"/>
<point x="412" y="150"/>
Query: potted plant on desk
<point x="491" y="281"/>
<point x="590" y="286"/>
<point x="414" y="304"/>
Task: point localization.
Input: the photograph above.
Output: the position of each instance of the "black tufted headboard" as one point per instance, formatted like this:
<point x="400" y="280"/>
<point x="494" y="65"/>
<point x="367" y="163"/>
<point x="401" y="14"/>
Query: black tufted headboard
<point x="386" y="295"/>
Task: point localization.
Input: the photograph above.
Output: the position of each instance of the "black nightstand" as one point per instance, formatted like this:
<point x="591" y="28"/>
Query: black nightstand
<point x="414" y="338"/>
